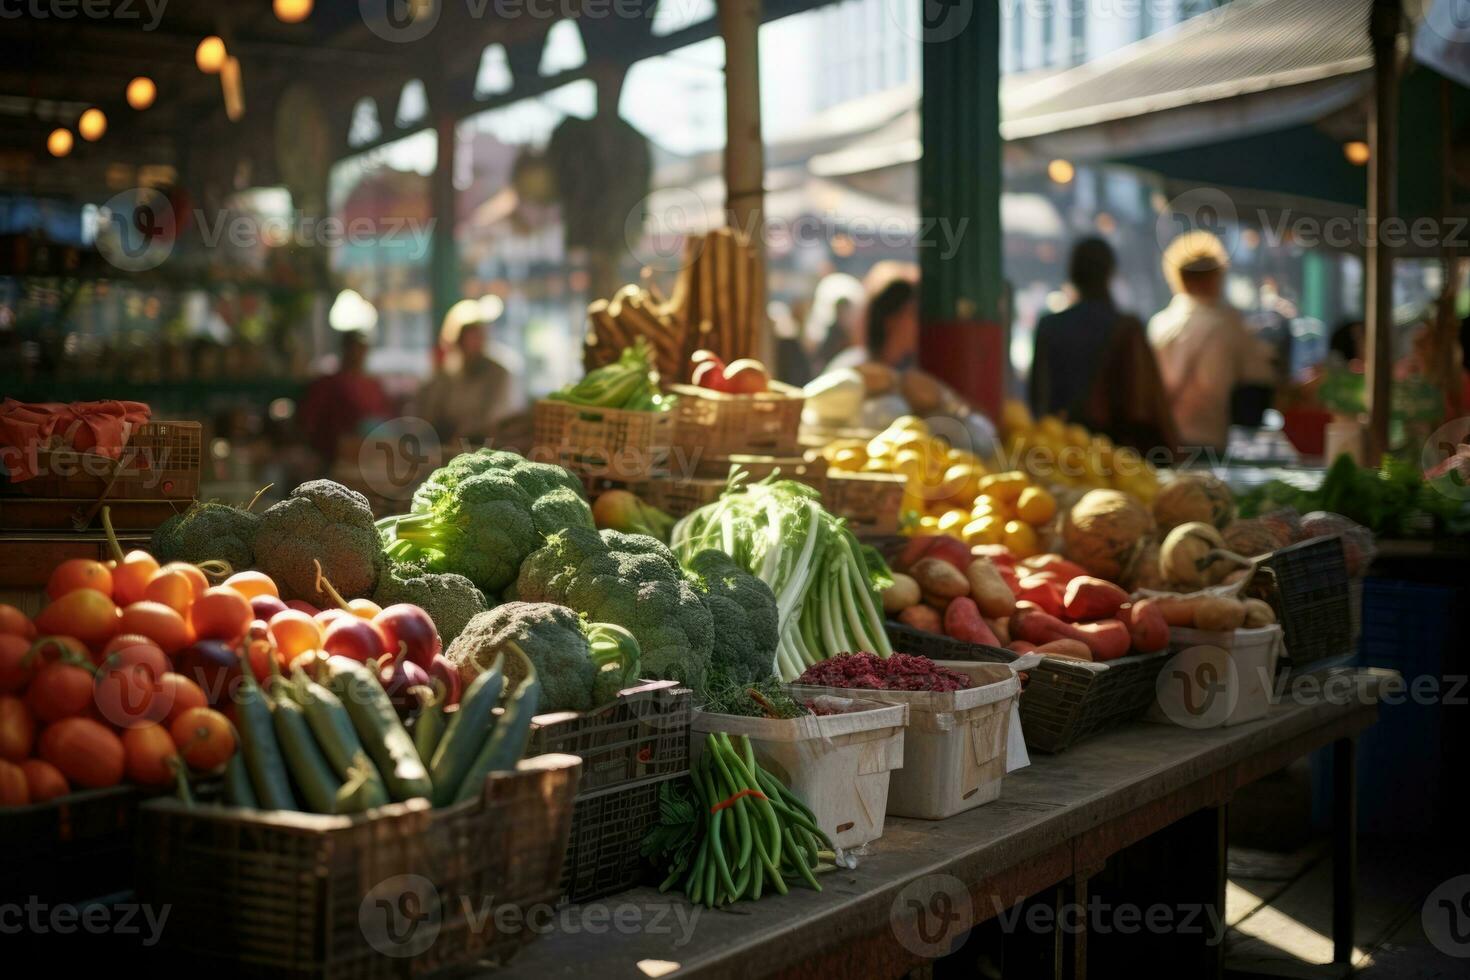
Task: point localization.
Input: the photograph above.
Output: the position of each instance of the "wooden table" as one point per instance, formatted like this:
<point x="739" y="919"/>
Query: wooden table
<point x="925" y="883"/>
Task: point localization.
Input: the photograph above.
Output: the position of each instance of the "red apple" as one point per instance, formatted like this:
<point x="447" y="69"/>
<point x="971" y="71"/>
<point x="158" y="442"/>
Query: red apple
<point x="354" y="638"/>
<point x="399" y="677"/>
<point x="265" y="605"/>
<point x="747" y="376"/>
<point x="410" y="632"/>
<point x="710" y="375"/>
<point x="703" y="355"/>
<point x="303" y="606"/>
<point x="446" y="676"/>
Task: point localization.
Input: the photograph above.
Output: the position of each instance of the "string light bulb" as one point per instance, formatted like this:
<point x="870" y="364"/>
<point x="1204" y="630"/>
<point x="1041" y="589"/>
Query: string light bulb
<point x="141" y="92"/>
<point x="92" y="124"/>
<point x="58" y="144"/>
<point x="292" y="11"/>
<point x="1356" y="152"/>
<point x="210" y="55"/>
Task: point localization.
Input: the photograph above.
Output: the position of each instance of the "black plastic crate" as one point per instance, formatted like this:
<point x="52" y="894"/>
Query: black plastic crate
<point x="1307" y="584"/>
<point x="641" y="735"/>
<point x="608" y="828"/>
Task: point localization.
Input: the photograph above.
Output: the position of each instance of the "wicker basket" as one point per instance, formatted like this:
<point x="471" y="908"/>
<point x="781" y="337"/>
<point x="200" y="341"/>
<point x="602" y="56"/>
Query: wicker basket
<point x="870" y="502"/>
<point x="1307" y="585"/>
<point x="680" y="497"/>
<point x="721" y="425"/>
<point x="71" y="849"/>
<point x="400" y="890"/>
<point x="810" y="469"/>
<point x="1063" y="702"/>
<point x="602" y="442"/>
<point x="160" y="462"/>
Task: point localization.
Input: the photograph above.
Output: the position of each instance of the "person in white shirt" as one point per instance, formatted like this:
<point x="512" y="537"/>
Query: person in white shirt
<point x="1203" y="347"/>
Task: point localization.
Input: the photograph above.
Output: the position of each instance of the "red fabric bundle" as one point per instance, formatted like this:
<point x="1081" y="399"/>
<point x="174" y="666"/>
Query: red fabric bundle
<point x="101" y="428"/>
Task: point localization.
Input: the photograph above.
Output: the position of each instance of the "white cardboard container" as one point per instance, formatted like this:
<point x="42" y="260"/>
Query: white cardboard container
<point x="839" y="765"/>
<point x="956" y="747"/>
<point x="1217" y="679"/>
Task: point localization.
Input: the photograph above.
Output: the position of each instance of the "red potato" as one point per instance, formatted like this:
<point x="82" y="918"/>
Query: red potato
<point x="922" y="617"/>
<point x="1108" y="639"/>
<point x="997" y="554"/>
<point x="1066" y="570"/>
<point x="1071" y="649"/>
<point x="1092" y="598"/>
<point x="939" y="578"/>
<point x="940" y="546"/>
<point x="1008" y="576"/>
<point x="962" y="621"/>
<point x="1044" y="592"/>
<point x="1021" y="647"/>
<point x="1146" y="625"/>
<point x="1002" y="629"/>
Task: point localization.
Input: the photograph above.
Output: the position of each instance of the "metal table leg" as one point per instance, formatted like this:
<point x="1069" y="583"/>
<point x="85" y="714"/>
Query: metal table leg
<point x="1344" y="847"/>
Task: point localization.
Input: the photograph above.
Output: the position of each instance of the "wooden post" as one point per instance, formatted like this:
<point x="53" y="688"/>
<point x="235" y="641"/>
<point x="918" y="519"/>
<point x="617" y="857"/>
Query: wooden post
<point x="745" y="160"/>
<point x="962" y="340"/>
<point x="1384" y="27"/>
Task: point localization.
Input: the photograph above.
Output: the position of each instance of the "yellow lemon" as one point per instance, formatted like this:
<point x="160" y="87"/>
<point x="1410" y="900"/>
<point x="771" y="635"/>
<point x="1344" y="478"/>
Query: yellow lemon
<point x="1051" y="427"/>
<point x="928" y="524"/>
<point x="1076" y="435"/>
<point x="1016" y="417"/>
<point x="983" y="530"/>
<point x="909" y="423"/>
<point x="1005" y="487"/>
<point x="1021" y="538"/>
<point x="849" y="459"/>
<point x="952" y="521"/>
<point x="1036" y="506"/>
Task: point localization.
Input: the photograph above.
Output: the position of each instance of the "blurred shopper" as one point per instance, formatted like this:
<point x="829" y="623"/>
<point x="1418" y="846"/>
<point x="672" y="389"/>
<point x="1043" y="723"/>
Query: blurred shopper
<point x="467" y="398"/>
<point x="791" y="362"/>
<point x="343" y="403"/>
<point x="1205" y="353"/>
<point x="1092" y="362"/>
<point x="831" y="324"/>
<point x="1347" y="342"/>
<point x="890" y="329"/>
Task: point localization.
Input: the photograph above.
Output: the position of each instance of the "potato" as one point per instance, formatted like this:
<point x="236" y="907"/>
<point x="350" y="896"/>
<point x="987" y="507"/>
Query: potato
<point x="904" y="592"/>
<point x="939" y="578"/>
<point x="922" y="618"/>
<point x="1216" y="613"/>
<point x="989" y="590"/>
<point x="1258" y="612"/>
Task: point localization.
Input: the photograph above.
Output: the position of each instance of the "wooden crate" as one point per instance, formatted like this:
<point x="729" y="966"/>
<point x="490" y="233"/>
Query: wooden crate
<point x="602" y="442"/>
<point x="810" y="469"/>
<point x="870" y="502"/>
<point x="160" y="462"/>
<point x="721" y="424"/>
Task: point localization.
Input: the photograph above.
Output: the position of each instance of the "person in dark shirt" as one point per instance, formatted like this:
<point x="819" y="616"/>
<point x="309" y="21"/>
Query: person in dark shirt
<point x="343" y="403"/>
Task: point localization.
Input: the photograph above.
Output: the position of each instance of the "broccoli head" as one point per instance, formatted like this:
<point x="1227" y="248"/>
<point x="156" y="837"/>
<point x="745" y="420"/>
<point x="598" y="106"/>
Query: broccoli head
<point x="745" y="619"/>
<point x="570" y="657"/>
<point x="482" y="513"/>
<point x="450" y="600"/>
<point x="630" y="580"/>
<point x="325" y="521"/>
<point x="205" y="532"/>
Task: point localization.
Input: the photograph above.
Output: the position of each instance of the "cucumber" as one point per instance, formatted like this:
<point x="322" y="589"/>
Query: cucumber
<point x="258" y="744"/>
<point x="336" y="737"/>
<point x="363" y="790"/>
<point x="467" y="733"/>
<point x="382" y="734"/>
<point x="238" y="791"/>
<point x="428" y="729"/>
<point x="310" y="770"/>
<point x="508" y="742"/>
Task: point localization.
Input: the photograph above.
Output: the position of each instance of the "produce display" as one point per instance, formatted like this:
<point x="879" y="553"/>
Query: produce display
<point x="733" y="831"/>
<point x="1067" y="454"/>
<point x="900" y="672"/>
<point x="1395" y="499"/>
<point x="826" y="585"/>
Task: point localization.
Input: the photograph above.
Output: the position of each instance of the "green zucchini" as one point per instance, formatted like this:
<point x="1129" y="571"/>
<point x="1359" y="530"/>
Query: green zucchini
<point x="310" y="770"/>
<point x="377" y="724"/>
<point x="238" y="791"/>
<point x="467" y="732"/>
<point x="428" y="728"/>
<point x="337" y="738"/>
<point x="363" y="789"/>
<point x="258" y="743"/>
<point x="507" y="743"/>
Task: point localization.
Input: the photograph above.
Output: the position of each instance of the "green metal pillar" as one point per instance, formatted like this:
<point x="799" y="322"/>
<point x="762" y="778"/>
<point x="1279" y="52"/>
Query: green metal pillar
<point x="963" y="340"/>
<point x="444" y="278"/>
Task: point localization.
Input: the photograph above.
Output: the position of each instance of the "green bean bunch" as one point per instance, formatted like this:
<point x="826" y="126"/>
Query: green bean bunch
<point x="752" y="832"/>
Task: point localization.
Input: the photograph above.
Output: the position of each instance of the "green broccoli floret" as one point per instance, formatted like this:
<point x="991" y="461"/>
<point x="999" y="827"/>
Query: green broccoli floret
<point x="569" y="656"/>
<point x="205" y="532"/>
<point x="450" y="600"/>
<point x="481" y="514"/>
<point x="633" y="581"/>
<point x="746" y="624"/>
<point x="325" y="521"/>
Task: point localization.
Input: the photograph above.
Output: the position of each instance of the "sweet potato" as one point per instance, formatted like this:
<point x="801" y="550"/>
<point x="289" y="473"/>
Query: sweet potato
<point x="1042" y="591"/>
<point x="937" y="546"/>
<point x="1092" y="598"/>
<point x="904" y="592"/>
<point x="938" y="577"/>
<point x="1021" y="647"/>
<point x="1072" y="649"/>
<point x="1066" y="570"/>
<point x="989" y="590"/>
<point x="1218" y="613"/>
<point x="1177" y="610"/>
<point x="1146" y="625"/>
<point x="1034" y="625"/>
<point x="1108" y="639"/>
<point x="922" y="618"/>
<point x="1258" y="612"/>
<point x="997" y="554"/>
<point x="962" y="621"/>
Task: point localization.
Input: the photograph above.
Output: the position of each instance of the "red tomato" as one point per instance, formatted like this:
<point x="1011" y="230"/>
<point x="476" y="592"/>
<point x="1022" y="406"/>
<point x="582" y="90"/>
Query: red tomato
<point x="62" y="689"/>
<point x="130" y="576"/>
<point x="127" y="649"/>
<point x="204" y="737"/>
<point x="17" y="728"/>
<point x="85" y="751"/>
<point x="294" y="632"/>
<point x="128" y="697"/>
<point x="220" y="614"/>
<point x="15" y="622"/>
<point x="79" y="573"/>
<point x="44" y="780"/>
<point x="173" y="587"/>
<point x="15" y="669"/>
<point x="13" y="788"/>
<point x="158" y="622"/>
<point x="87" y="614"/>
<point x="178" y="694"/>
<point x="151" y="755"/>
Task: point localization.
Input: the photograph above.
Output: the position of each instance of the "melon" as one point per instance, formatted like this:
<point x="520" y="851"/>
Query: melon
<point x="1193" y="497"/>
<point x="1105" y="532"/>
<point x="1191" y="556"/>
<point x="1146" y="573"/>
<point x="1254" y="536"/>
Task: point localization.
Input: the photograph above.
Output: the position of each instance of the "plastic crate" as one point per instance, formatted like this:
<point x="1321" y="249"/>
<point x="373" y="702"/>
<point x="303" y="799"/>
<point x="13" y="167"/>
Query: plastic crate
<point x="395" y="891"/>
<point x="643" y="734"/>
<point x="608" y="827"/>
<point x="869" y="502"/>
<point x="1064" y="701"/>
<point x="1307" y="585"/>
<point x="721" y="424"/>
<point x="160" y="462"/>
<point x="602" y="442"/>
